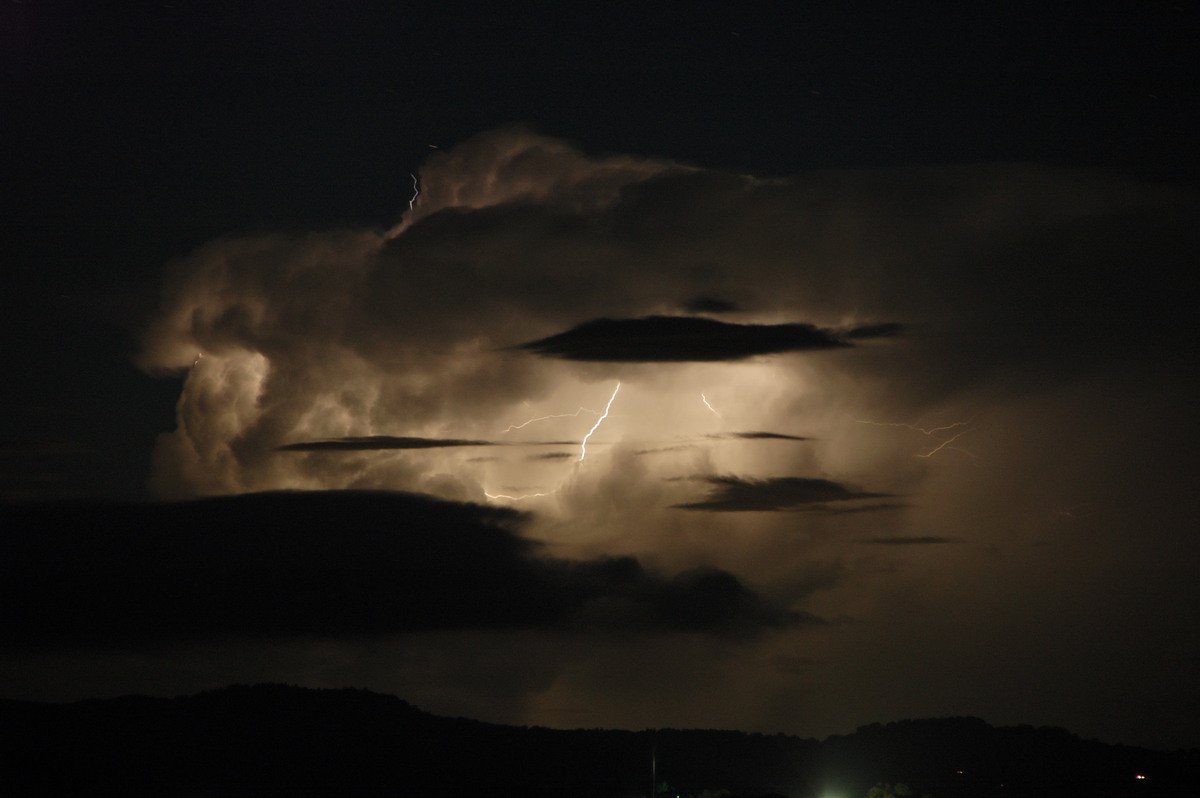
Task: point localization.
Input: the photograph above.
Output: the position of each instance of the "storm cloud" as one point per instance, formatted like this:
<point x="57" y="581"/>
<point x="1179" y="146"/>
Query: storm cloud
<point x="335" y="340"/>
<point x="1003" y="346"/>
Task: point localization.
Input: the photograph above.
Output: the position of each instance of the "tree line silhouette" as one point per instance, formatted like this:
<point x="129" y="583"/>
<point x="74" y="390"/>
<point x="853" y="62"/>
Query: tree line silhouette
<point x="281" y="740"/>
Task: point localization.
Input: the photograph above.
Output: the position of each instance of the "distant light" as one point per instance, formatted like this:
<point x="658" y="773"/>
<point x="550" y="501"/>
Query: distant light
<point x="1139" y="776"/>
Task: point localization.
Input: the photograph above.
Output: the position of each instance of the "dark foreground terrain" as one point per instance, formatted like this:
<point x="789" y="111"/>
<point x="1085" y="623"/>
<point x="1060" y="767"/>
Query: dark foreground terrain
<point x="279" y="740"/>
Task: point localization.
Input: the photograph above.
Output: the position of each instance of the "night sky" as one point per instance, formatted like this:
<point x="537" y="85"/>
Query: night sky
<point x="780" y="370"/>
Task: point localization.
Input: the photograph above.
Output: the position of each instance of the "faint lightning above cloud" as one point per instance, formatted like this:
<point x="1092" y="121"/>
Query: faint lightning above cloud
<point x="524" y="424"/>
<point x="946" y="445"/>
<point x="931" y="432"/>
<point x="914" y="427"/>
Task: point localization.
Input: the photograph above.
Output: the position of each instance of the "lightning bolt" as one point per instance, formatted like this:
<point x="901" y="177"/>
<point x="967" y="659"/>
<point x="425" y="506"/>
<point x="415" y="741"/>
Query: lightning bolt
<point x="523" y="424"/>
<point x="416" y="191"/>
<point x="599" y="421"/>
<point x="582" y="445"/>
<point x="943" y="443"/>
<point x="704" y="399"/>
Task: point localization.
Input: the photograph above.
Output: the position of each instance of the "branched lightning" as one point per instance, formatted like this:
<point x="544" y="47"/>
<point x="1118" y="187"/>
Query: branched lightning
<point x="599" y="421"/>
<point x="946" y="445"/>
<point x="523" y="424"/>
<point x="914" y="427"/>
<point x="704" y="399"/>
<point x="943" y="443"/>
<point x="583" y="444"/>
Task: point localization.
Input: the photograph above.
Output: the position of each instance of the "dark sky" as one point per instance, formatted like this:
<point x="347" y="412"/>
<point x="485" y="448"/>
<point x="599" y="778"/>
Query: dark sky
<point x="925" y="454"/>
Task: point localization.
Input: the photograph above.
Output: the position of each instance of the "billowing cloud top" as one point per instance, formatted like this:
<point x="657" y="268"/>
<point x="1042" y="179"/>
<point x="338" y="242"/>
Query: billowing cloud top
<point x="353" y="336"/>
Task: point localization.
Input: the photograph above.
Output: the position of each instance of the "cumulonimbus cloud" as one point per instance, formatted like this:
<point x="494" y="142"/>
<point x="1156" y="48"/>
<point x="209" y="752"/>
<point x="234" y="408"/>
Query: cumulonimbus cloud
<point x="353" y="335"/>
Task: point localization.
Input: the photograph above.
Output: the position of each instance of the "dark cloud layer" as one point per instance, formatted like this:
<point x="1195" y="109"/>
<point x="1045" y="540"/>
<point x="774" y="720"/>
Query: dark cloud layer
<point x="736" y="494"/>
<point x="761" y="435"/>
<point x="328" y="563"/>
<point x="709" y="304"/>
<point x="370" y="442"/>
<point x="366" y="443"/>
<point x="910" y="541"/>
<point x="653" y="339"/>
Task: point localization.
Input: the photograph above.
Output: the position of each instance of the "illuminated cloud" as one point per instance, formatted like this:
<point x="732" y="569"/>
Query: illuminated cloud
<point x="337" y="340"/>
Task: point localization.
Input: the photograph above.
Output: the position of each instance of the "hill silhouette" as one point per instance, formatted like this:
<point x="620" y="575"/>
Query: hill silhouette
<point x="281" y="740"/>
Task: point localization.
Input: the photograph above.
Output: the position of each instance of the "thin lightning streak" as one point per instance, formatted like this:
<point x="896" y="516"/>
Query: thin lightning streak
<point x="512" y="427"/>
<point x="710" y="407"/>
<point x="914" y="427"/>
<point x="518" y="498"/>
<point x="599" y="421"/>
<point x="943" y="443"/>
<point x="416" y="191"/>
<point x="582" y="445"/>
<point x="947" y="443"/>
